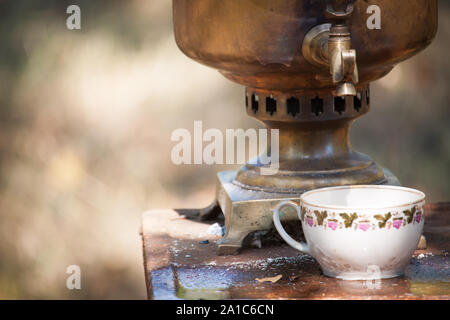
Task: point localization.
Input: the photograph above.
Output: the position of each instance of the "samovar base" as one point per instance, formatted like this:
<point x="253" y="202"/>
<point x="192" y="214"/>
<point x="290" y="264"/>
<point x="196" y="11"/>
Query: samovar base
<point x="247" y="211"/>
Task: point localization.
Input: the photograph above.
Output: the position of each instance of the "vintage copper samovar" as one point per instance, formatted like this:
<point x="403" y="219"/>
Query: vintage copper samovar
<point x="306" y="66"/>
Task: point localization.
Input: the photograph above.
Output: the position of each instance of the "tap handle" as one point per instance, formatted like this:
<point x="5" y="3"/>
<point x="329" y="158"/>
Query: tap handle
<point x="344" y="72"/>
<point x="343" y="67"/>
<point x="349" y="66"/>
<point x="346" y="85"/>
<point x="330" y="45"/>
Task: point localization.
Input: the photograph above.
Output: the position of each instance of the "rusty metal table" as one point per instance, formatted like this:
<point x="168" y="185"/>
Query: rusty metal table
<point x="180" y="264"/>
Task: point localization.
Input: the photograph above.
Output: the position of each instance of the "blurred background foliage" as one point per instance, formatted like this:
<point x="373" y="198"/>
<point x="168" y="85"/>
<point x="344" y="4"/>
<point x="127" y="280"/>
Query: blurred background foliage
<point x="86" y="118"/>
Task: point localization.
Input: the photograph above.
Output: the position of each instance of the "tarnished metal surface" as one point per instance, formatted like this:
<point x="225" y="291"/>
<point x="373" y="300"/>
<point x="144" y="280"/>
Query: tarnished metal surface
<point x="179" y="265"/>
<point x="257" y="43"/>
<point x="261" y="45"/>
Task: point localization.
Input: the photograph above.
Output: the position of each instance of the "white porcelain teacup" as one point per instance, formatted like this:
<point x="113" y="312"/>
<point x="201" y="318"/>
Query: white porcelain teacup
<point x="358" y="232"/>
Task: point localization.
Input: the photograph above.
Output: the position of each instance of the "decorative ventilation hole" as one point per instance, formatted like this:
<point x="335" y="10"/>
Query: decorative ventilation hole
<point x="368" y="97"/>
<point x="271" y="105"/>
<point x="357" y="103"/>
<point x="246" y="101"/>
<point x="317" y="106"/>
<point x="293" y="106"/>
<point x="339" y="104"/>
<point x="255" y="103"/>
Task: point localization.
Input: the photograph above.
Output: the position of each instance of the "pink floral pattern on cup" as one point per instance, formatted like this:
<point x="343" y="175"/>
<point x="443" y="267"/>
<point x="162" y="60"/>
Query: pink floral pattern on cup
<point x="418" y="217"/>
<point x="397" y="223"/>
<point x="333" y="224"/>
<point x="364" y="226"/>
<point x="389" y="220"/>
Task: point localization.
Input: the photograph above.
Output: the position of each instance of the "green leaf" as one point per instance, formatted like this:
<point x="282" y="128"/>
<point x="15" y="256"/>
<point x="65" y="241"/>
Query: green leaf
<point x="320" y="216"/>
<point x="383" y="219"/>
<point x="410" y="214"/>
<point x="348" y="220"/>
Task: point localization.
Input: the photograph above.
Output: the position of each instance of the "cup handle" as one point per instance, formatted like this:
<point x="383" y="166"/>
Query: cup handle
<point x="300" y="246"/>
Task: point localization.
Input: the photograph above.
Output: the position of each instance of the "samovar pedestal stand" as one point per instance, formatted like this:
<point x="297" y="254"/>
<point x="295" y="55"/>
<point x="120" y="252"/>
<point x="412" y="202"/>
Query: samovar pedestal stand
<point x="314" y="152"/>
